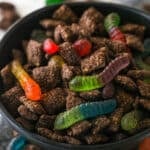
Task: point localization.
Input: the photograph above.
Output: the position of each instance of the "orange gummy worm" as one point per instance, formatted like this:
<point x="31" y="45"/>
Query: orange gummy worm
<point x="31" y="88"/>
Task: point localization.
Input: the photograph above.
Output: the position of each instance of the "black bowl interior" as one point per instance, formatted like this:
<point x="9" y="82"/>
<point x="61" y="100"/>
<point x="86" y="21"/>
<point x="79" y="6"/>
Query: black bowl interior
<point x="22" y="29"/>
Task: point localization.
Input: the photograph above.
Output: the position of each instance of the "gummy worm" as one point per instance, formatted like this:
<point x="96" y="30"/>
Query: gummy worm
<point x="83" y="111"/>
<point x="86" y="83"/>
<point x="31" y="88"/>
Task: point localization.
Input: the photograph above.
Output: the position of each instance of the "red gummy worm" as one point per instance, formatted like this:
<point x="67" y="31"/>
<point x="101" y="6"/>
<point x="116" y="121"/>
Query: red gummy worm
<point x="117" y="35"/>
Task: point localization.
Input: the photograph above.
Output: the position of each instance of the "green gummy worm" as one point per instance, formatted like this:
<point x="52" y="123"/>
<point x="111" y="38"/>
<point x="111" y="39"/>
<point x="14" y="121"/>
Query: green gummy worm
<point x="129" y="121"/>
<point x="112" y="20"/>
<point x="84" y="111"/>
<point x="85" y="83"/>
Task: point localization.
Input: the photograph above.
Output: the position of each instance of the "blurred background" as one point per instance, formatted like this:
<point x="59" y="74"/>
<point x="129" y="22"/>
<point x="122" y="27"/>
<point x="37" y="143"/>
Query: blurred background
<point x="24" y="7"/>
<point x="21" y="8"/>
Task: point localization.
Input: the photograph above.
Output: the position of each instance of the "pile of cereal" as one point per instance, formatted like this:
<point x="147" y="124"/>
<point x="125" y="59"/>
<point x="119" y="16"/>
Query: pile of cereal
<point x="81" y="80"/>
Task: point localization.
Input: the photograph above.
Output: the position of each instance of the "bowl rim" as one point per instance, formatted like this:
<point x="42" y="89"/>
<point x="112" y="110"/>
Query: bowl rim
<point x="42" y="140"/>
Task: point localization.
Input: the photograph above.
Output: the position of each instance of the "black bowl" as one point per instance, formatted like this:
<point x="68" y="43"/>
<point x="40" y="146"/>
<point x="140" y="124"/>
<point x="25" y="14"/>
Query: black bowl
<point x="22" y="29"/>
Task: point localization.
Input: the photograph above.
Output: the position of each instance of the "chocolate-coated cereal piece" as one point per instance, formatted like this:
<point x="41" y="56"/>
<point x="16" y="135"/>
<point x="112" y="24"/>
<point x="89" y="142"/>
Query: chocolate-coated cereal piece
<point x="116" y="119"/>
<point x="26" y="113"/>
<point x="72" y="140"/>
<point x="144" y="88"/>
<point x="134" y="42"/>
<point x="35" y="55"/>
<point x="50" y="23"/>
<point x="25" y="123"/>
<point x="54" y="101"/>
<point x="57" y="34"/>
<point x="91" y="95"/>
<point x="57" y="137"/>
<point x="99" y="42"/>
<point x="63" y="33"/>
<point x="79" y="128"/>
<point x="7" y="77"/>
<point x="95" y="139"/>
<point x="136" y="29"/>
<point x="33" y="106"/>
<point x="51" y="135"/>
<point x="28" y="68"/>
<point x="68" y="72"/>
<point x="47" y="76"/>
<point x="90" y="19"/>
<point x="66" y="33"/>
<point x="95" y="61"/>
<point x="144" y="124"/>
<point x="126" y="82"/>
<point x="115" y="46"/>
<point x="10" y="99"/>
<point x="79" y="30"/>
<point x="124" y="99"/>
<point x="73" y="100"/>
<point x="144" y="103"/>
<point x="99" y="124"/>
<point x="46" y="121"/>
<point x="69" y="54"/>
<point x="138" y="74"/>
<point x="65" y="14"/>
